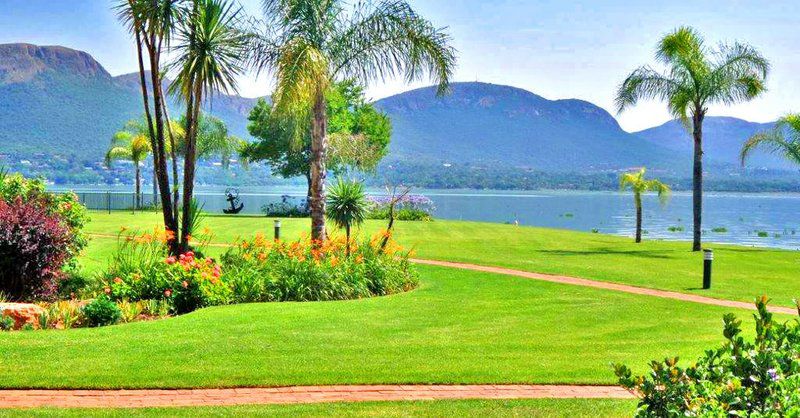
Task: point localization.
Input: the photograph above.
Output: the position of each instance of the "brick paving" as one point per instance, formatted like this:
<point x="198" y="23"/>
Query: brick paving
<point x="294" y="395"/>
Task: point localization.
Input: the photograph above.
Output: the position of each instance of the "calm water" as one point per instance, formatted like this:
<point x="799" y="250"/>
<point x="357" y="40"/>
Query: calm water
<point x="742" y="215"/>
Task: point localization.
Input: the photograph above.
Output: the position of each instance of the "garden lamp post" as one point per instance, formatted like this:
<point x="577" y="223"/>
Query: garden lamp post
<point x="708" y="259"/>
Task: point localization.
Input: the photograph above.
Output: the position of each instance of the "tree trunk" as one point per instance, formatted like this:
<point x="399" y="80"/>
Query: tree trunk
<point x="148" y="116"/>
<point x="308" y="184"/>
<point x="638" y="199"/>
<point x="697" y="186"/>
<point x="347" y="246"/>
<point x="189" y="162"/>
<point x="138" y="190"/>
<point x="319" y="134"/>
<point x="174" y="159"/>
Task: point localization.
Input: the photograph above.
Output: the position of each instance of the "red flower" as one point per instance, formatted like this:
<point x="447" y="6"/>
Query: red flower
<point x="117" y="280"/>
<point x="170" y="260"/>
<point x="168" y="292"/>
<point x="107" y="290"/>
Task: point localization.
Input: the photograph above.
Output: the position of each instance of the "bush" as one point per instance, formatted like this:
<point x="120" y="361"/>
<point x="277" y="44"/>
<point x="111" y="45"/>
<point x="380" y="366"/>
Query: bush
<point x="759" y="378"/>
<point x="143" y="270"/>
<point x="101" y="312"/>
<point x="408" y="208"/>
<point x="34" y="248"/>
<point x="288" y="207"/>
<point x="260" y="270"/>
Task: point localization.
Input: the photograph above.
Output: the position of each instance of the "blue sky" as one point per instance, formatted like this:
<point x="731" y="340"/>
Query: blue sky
<point x="557" y="49"/>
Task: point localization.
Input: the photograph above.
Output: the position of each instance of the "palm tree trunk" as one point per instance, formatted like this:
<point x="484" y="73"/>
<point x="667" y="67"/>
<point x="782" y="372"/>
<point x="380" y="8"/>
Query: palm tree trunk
<point x="319" y="133"/>
<point x="697" y="187"/>
<point x="189" y="162"/>
<point x="173" y="158"/>
<point x="148" y="116"/>
<point x="138" y="192"/>
<point x="638" y="199"/>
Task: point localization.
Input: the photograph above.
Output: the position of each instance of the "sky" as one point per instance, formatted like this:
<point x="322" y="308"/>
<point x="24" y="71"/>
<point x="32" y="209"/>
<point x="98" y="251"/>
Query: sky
<point x="555" y="48"/>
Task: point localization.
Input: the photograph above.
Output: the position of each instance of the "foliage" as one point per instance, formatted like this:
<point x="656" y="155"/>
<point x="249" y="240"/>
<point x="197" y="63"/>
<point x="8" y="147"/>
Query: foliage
<point x="101" y="312"/>
<point x="758" y="378"/>
<point x="6" y="323"/>
<point x="783" y="139"/>
<point x="288" y="207"/>
<point x="260" y="270"/>
<point x="347" y="206"/>
<point x="409" y="207"/>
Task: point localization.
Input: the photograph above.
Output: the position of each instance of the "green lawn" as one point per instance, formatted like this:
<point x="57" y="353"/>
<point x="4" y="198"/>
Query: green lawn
<point x="458" y="327"/>
<point x="541" y="408"/>
<point x="739" y="273"/>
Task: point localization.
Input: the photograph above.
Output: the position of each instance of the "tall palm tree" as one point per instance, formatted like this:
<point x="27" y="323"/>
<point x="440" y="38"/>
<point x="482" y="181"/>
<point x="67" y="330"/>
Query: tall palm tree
<point x="783" y="139"/>
<point x="208" y="60"/>
<point x="134" y="147"/>
<point x="696" y="77"/>
<point x="310" y="44"/>
<point x="639" y="185"/>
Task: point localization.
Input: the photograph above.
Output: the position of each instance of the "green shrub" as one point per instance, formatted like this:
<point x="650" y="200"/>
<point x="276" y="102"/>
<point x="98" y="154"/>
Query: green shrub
<point x="759" y="378"/>
<point x="762" y="234"/>
<point x="6" y="323"/>
<point x="406" y="208"/>
<point x="101" y="312"/>
<point x="675" y="229"/>
<point x="720" y="230"/>
<point x="261" y="270"/>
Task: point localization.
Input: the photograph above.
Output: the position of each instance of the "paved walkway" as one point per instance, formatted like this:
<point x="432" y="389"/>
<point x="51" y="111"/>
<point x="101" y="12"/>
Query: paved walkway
<point x="294" y="395"/>
<point x="686" y="297"/>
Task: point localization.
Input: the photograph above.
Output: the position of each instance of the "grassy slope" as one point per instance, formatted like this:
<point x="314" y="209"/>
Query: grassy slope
<point x="541" y="408"/>
<point x="458" y="327"/>
<point x="739" y="273"/>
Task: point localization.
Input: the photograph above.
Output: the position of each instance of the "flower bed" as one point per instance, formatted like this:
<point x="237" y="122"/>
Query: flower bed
<point x="407" y="208"/>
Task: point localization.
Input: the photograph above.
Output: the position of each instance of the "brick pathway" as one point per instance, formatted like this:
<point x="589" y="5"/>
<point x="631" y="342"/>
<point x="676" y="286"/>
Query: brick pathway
<point x="687" y="297"/>
<point x="293" y="395"/>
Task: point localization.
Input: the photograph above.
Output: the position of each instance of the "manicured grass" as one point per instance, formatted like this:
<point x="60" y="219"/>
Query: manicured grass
<point x="541" y="408"/>
<point x="740" y="273"/>
<point x="458" y="327"/>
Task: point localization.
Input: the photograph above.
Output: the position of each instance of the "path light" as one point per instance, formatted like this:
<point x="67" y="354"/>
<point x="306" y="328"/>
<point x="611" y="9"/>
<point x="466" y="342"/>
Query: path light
<point x="708" y="258"/>
<point x="277" y="229"/>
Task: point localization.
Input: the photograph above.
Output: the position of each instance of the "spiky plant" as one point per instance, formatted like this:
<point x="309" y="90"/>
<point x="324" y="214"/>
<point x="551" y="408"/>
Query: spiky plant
<point x="696" y="77"/>
<point x="637" y="183"/>
<point x="347" y="206"/>
<point x="310" y="44"/>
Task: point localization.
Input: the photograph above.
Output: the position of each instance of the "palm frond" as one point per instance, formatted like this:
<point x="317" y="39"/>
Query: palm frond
<point x="644" y="84"/>
<point x="774" y="141"/>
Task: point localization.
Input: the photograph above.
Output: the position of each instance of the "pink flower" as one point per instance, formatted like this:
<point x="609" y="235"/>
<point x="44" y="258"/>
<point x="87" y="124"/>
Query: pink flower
<point x="168" y="292"/>
<point x="190" y="254"/>
<point x="170" y="260"/>
<point x="117" y="280"/>
<point x="107" y="290"/>
<point x="185" y="284"/>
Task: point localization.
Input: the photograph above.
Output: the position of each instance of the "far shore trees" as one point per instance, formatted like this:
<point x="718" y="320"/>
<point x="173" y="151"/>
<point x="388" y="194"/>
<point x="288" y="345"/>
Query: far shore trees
<point x="637" y="183"/>
<point x="311" y="44"/>
<point x="783" y="140"/>
<point x="697" y="77"/>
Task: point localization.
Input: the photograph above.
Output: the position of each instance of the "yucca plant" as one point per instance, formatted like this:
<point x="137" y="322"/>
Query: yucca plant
<point x="639" y="185"/>
<point x="347" y="206"/>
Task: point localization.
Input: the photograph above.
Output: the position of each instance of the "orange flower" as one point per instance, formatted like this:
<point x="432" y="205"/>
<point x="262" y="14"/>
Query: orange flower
<point x="117" y="280"/>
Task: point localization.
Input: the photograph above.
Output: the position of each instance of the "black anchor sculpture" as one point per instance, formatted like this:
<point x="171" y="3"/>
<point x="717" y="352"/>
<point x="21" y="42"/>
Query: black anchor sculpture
<point x="233" y="199"/>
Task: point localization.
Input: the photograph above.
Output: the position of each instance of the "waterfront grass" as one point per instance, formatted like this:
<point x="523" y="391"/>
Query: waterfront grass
<point x="740" y="273"/>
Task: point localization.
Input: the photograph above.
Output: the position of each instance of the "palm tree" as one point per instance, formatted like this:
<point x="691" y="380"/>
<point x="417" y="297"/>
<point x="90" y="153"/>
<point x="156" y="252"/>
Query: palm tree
<point x="347" y="206"/>
<point x="208" y="60"/>
<point x="783" y="139"/>
<point x="311" y="44"/>
<point x="130" y="146"/>
<point x="639" y="185"/>
<point x="697" y="76"/>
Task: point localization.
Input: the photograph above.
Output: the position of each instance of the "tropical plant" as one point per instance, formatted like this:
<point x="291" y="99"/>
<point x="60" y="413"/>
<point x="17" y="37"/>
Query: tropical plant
<point x="347" y="206"/>
<point x="101" y="312"/>
<point x="209" y="50"/>
<point x="134" y="147"/>
<point x="639" y="185"/>
<point x="697" y="77"/>
<point x="311" y="44"/>
<point x="783" y="139"/>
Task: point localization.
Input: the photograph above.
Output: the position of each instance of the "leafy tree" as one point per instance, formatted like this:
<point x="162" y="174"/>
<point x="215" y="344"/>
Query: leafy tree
<point x="783" y="139"/>
<point x="347" y="206"/>
<point x="212" y="139"/>
<point x="639" y="185"/>
<point x="134" y="146"/>
<point x="359" y="135"/>
<point x="697" y="77"/>
<point x="311" y="44"/>
<point x="209" y="48"/>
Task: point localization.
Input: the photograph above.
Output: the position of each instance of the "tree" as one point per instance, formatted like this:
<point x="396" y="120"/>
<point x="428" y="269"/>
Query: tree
<point x="783" y="139"/>
<point x="347" y="206"/>
<point x="697" y="76"/>
<point x="639" y="185"/>
<point x="311" y="44"/>
<point x="212" y="139"/>
<point x="359" y="135"/>
<point x="208" y="60"/>
<point x="132" y="145"/>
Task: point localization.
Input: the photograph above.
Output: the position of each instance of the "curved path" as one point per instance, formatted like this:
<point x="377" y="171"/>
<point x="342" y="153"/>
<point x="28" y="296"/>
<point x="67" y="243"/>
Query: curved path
<point x="294" y="395"/>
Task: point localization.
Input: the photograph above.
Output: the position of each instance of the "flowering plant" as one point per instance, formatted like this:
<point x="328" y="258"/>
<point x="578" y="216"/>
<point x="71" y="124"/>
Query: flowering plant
<point x="407" y="208"/>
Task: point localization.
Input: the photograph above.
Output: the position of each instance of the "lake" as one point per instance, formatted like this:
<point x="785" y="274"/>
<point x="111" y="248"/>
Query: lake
<point x="769" y="220"/>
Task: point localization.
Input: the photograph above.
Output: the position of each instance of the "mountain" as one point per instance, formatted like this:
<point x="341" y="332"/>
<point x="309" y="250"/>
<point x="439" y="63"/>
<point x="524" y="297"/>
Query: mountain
<point x="59" y="101"/>
<point x="722" y="141"/>
<point x="495" y="125"/>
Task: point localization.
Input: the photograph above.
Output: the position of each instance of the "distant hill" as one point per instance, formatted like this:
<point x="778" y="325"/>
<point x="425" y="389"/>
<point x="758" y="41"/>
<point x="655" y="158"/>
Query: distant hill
<point x="59" y="101"/>
<point x="722" y="141"/>
<point x="500" y="125"/>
